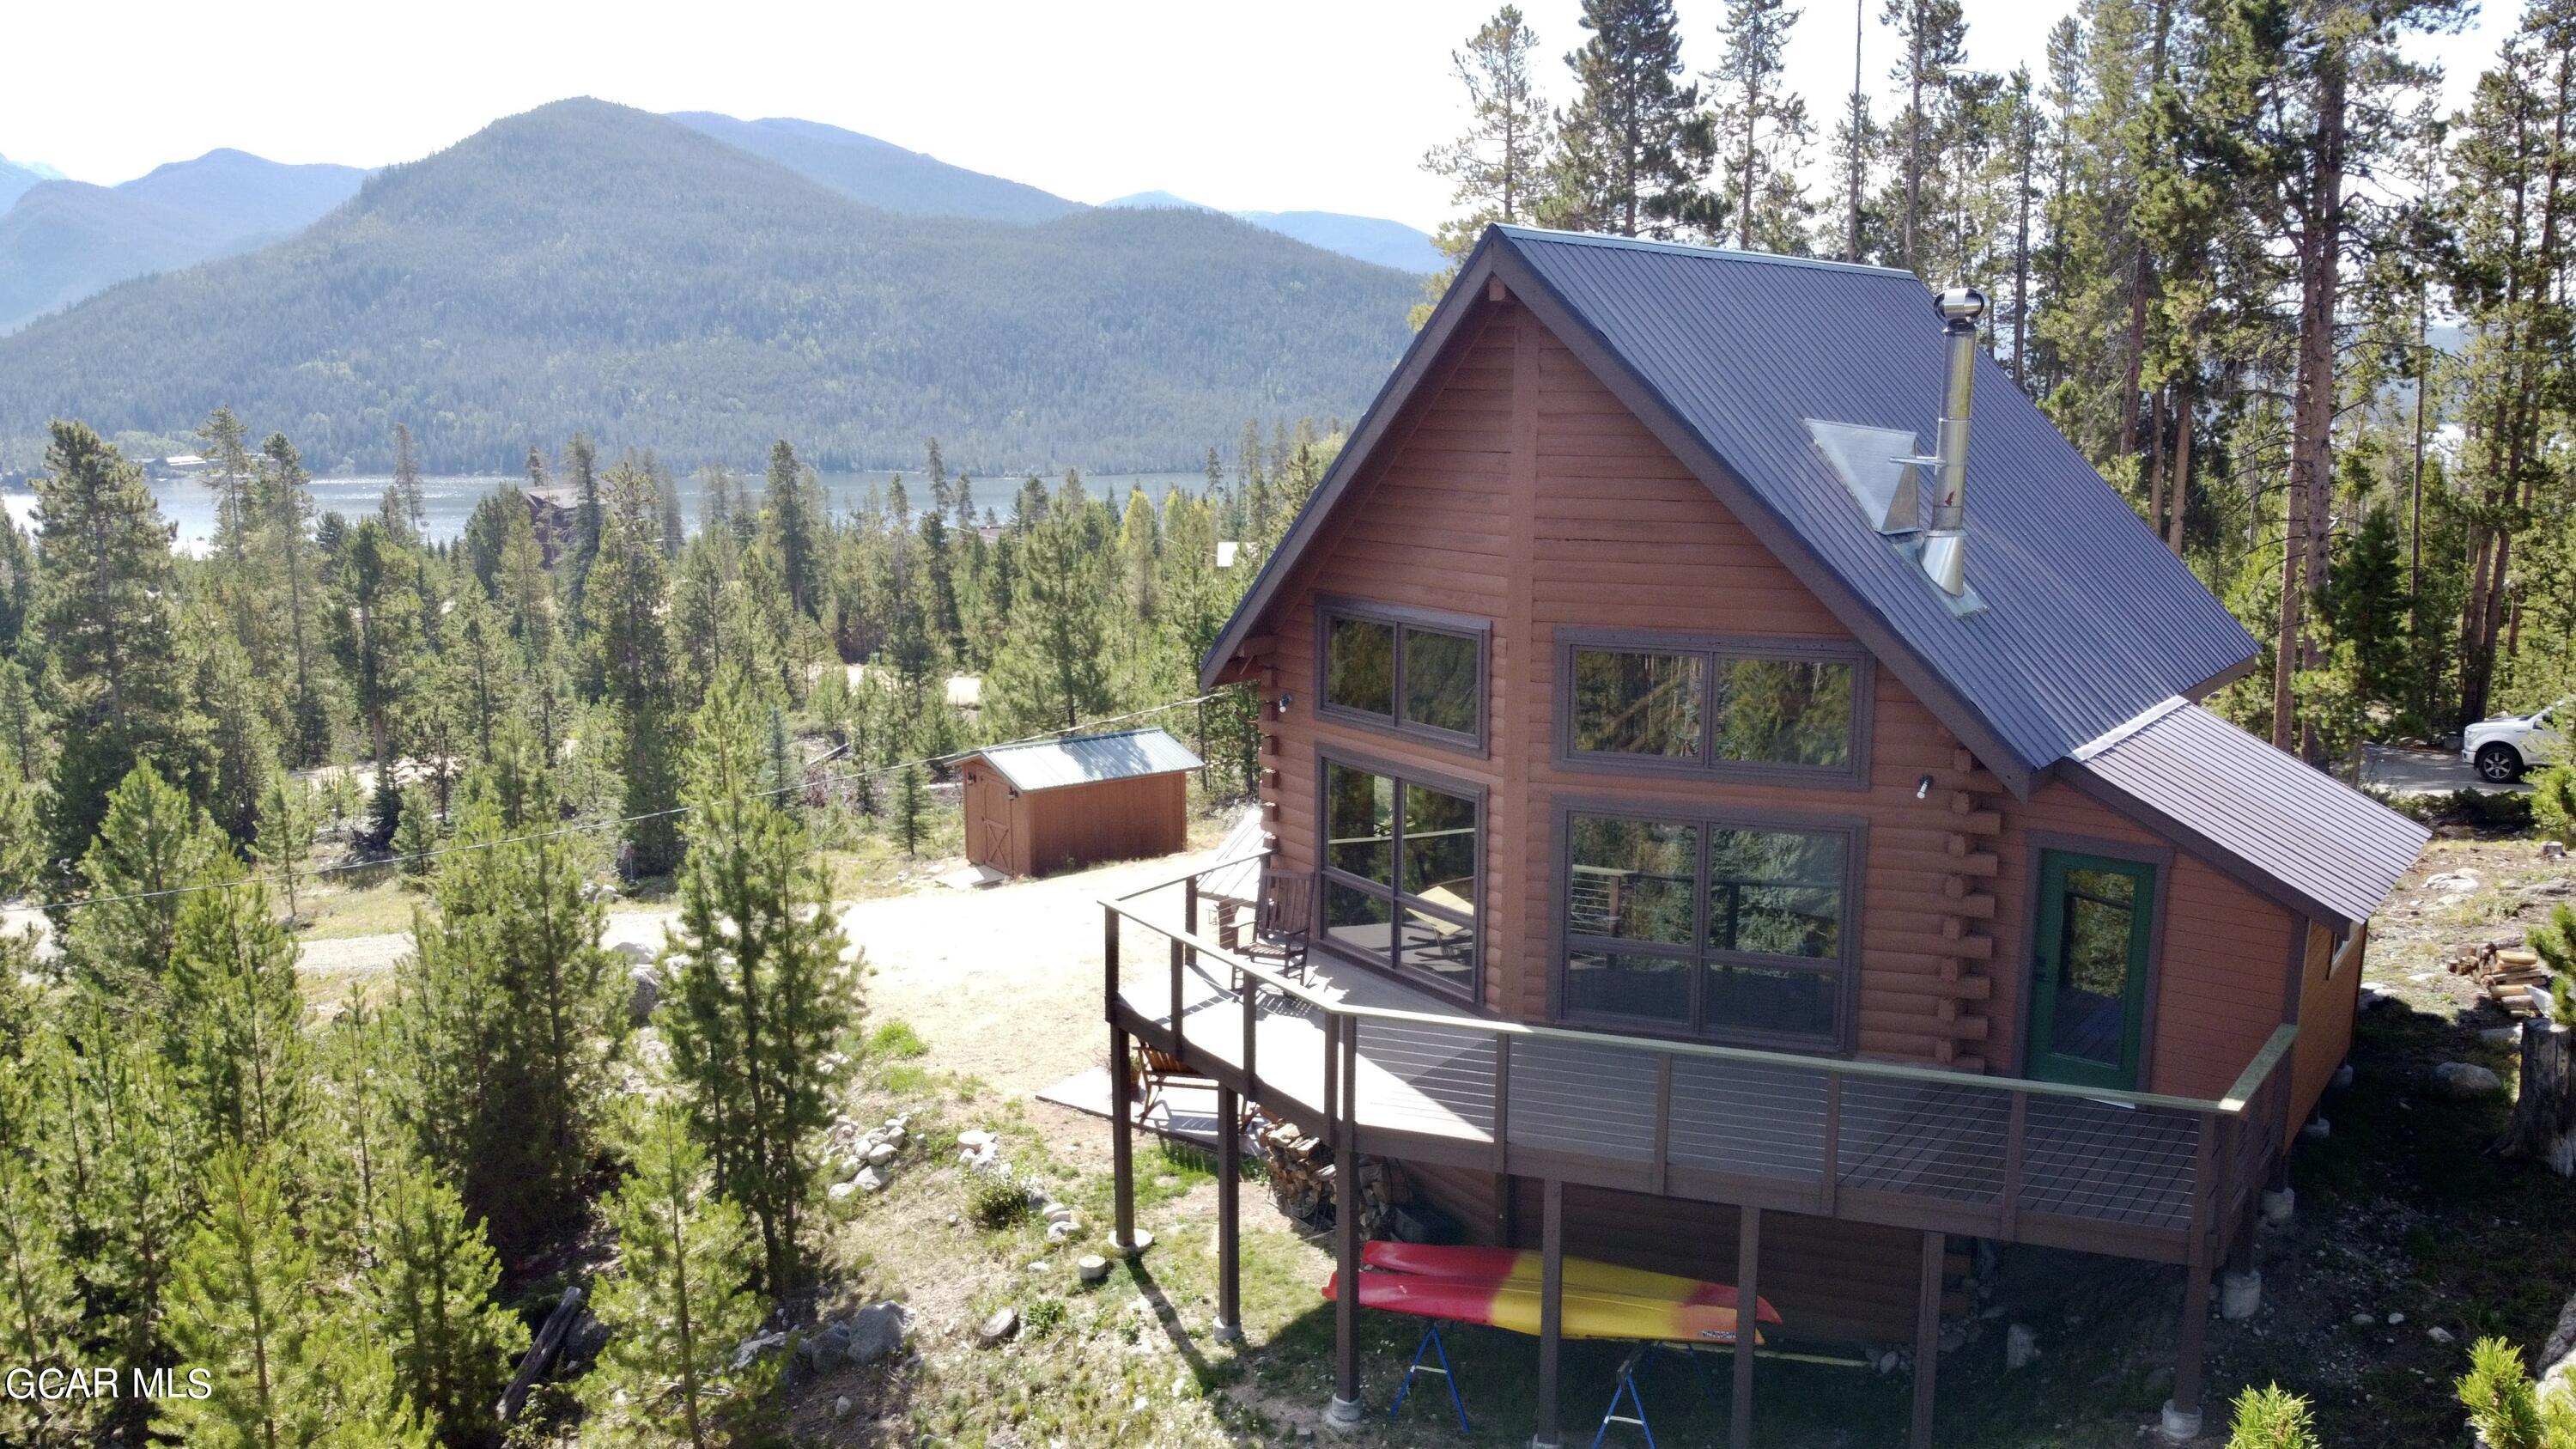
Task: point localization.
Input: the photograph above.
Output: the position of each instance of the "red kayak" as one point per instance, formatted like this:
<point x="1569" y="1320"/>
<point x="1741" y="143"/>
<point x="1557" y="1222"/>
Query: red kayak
<point x="1524" y="1268"/>
<point x="1508" y="1304"/>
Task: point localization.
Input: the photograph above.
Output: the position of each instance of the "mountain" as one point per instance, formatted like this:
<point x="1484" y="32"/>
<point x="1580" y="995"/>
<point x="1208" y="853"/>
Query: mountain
<point x="587" y="266"/>
<point x="16" y="179"/>
<point x="880" y="173"/>
<point x="64" y="240"/>
<point x="1369" y="238"/>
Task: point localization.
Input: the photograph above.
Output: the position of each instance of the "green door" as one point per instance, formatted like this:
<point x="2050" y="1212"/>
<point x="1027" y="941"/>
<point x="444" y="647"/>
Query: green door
<point x="2089" y="969"/>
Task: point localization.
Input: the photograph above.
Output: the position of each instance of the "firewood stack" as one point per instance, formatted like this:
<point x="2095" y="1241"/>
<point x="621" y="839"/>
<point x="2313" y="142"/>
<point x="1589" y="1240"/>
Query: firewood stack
<point x="2511" y="976"/>
<point x="1302" y="1178"/>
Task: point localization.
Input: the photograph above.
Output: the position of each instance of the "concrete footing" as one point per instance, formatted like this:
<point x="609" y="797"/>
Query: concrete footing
<point x="1343" y="1413"/>
<point x="2278" y="1204"/>
<point x="1224" y="1332"/>
<point x="2178" y="1426"/>
<point x="2240" y="1295"/>
<point x="1142" y="1241"/>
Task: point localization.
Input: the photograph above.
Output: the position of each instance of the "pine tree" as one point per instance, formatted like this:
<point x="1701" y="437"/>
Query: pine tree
<point x="411" y="508"/>
<point x="630" y="665"/>
<point x="763" y="994"/>
<point x="1934" y="35"/>
<point x="1497" y="167"/>
<point x="26" y="734"/>
<point x="103" y="606"/>
<point x="40" y="1309"/>
<point x="128" y="1162"/>
<point x="22" y="843"/>
<point x="245" y="1309"/>
<point x="1763" y="127"/>
<point x="241" y="745"/>
<point x="151" y="842"/>
<point x="416" y="830"/>
<point x="353" y="1146"/>
<point x="1054" y="666"/>
<point x="234" y="1029"/>
<point x="787" y="518"/>
<point x="581" y="462"/>
<point x="286" y="516"/>
<point x="1634" y="144"/>
<point x="430" y="1291"/>
<point x="907" y="809"/>
<point x="290" y="816"/>
<point x="677" y="1303"/>
<point x="377" y="634"/>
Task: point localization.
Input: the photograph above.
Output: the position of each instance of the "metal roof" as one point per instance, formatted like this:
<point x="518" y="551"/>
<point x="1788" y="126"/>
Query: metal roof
<point x="1089" y="759"/>
<point x="2297" y="834"/>
<point x="2088" y="618"/>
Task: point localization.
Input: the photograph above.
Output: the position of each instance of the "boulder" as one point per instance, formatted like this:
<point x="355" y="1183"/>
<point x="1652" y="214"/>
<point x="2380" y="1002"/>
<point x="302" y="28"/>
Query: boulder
<point x="881" y="1154"/>
<point x="756" y="1347"/>
<point x="870" y="1180"/>
<point x="643" y="993"/>
<point x="2465" y="1080"/>
<point x="875" y="1332"/>
<point x="2021" y="1346"/>
<point x="2552" y="849"/>
<point x="841" y="1191"/>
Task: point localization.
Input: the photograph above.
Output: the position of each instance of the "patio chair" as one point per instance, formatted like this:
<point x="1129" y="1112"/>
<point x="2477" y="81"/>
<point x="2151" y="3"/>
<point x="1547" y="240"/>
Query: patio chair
<point x="1281" y="920"/>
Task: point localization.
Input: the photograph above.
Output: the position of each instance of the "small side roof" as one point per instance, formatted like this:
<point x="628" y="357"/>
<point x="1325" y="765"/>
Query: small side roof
<point x="2296" y="834"/>
<point x="1089" y="759"/>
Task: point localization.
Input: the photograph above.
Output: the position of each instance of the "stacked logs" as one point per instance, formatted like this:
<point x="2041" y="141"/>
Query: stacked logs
<point x="1302" y="1178"/>
<point x="2511" y="976"/>
<point x="1968" y="913"/>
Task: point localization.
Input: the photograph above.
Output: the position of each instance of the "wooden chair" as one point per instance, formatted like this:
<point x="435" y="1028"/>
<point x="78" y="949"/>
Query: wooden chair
<point x="1155" y="1071"/>
<point x="1281" y="920"/>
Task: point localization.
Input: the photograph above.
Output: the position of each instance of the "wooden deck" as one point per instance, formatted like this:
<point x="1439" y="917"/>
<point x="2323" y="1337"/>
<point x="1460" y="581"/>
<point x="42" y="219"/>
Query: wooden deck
<point x="1434" y="1082"/>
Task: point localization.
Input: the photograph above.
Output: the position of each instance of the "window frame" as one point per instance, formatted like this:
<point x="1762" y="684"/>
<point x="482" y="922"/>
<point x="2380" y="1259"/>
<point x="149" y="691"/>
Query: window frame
<point x="1403" y="619"/>
<point x="1713" y="650"/>
<point x="1843" y="971"/>
<point x="1393" y="893"/>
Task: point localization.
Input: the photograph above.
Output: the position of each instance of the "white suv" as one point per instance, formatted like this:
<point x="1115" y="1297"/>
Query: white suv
<point x="2500" y="749"/>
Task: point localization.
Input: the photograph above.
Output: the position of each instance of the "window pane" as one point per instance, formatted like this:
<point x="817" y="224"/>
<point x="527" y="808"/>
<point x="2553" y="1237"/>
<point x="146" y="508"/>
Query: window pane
<point x="1784" y="712"/>
<point x="1440" y="848"/>
<point x="1356" y="919"/>
<point x="1632" y="879"/>
<point x="1633" y="703"/>
<point x="1359" y="666"/>
<point x="1653" y="987"/>
<point x="1359" y="823"/>
<point x="1770" y="998"/>
<point x="1443" y="949"/>
<point x="2090" y="1015"/>
<point x="1775" y="893"/>
<point x="1440" y="684"/>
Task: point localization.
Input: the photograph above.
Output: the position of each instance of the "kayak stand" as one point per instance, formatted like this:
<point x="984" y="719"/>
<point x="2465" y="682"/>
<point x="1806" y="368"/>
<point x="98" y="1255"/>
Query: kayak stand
<point x="1627" y="1390"/>
<point x="1431" y="1343"/>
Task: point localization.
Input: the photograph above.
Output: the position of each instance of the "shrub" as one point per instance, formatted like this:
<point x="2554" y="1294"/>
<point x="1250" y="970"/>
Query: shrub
<point x="1043" y="1317"/>
<point x="2271" y="1418"/>
<point x="2505" y="1407"/>
<point x="896" y="1041"/>
<point x="2553" y="802"/>
<point x="996" y="1202"/>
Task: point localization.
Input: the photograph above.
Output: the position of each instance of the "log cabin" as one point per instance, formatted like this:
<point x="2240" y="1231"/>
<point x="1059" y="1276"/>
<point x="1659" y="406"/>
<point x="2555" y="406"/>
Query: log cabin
<point x="1747" y="842"/>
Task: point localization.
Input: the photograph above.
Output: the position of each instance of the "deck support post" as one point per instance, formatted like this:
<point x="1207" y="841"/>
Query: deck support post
<point x="1748" y="1321"/>
<point x="1551" y="1309"/>
<point x="1122" y="1142"/>
<point x="2182" y="1412"/>
<point x="1927" y="1337"/>
<point x="1344" y="1411"/>
<point x="1229" y="1216"/>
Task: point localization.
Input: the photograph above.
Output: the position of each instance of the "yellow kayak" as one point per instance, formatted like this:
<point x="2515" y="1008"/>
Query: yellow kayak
<point x="1508" y="1304"/>
<point x="1522" y="1266"/>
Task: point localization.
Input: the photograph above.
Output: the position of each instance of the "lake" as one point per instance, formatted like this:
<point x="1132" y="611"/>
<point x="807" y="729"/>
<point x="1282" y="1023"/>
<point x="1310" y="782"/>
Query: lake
<point x="450" y="501"/>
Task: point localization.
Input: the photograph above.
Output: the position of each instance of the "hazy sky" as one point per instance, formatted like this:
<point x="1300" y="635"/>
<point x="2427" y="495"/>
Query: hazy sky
<point x="1323" y="104"/>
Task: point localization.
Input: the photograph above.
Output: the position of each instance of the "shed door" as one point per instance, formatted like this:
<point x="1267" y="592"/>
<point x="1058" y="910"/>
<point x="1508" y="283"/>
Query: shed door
<point x="2089" y="957"/>
<point x="994" y="813"/>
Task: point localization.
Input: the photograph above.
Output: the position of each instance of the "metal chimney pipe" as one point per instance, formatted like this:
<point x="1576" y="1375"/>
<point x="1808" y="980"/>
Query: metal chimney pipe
<point x="1945" y="538"/>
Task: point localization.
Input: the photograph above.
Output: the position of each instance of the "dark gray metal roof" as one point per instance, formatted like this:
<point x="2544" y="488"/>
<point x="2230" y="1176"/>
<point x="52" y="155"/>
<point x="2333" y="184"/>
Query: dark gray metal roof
<point x="2088" y="618"/>
<point x="2295" y="833"/>
<point x="1088" y="759"/>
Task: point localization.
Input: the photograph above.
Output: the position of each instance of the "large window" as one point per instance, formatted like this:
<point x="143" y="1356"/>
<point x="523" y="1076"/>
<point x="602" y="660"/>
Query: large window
<point x="1719" y="928"/>
<point x="1782" y="710"/>
<point x="1400" y="872"/>
<point x="1408" y="671"/>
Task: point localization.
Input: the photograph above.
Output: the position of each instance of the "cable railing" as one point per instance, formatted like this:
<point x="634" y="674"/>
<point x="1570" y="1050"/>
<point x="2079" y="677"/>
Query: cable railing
<point x="2143" y="1174"/>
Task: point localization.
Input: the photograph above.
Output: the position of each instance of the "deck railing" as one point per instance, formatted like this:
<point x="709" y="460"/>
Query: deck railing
<point x="2140" y="1174"/>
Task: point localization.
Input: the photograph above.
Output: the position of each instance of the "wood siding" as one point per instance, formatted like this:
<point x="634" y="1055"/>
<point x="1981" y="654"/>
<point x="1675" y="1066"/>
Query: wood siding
<point x="2329" y="999"/>
<point x="1520" y="490"/>
<point x="1046" y="831"/>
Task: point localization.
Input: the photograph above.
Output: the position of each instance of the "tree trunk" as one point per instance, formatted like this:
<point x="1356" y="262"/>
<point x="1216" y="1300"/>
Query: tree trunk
<point x="2544" y="1112"/>
<point x="2184" y="405"/>
<point x="2320" y="256"/>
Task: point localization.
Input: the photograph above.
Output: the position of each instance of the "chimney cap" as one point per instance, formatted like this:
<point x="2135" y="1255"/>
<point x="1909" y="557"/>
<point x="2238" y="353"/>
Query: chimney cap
<point x="1960" y="306"/>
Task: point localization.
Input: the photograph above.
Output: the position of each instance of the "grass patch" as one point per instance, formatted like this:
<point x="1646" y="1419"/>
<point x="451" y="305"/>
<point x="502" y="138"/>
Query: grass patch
<point x="896" y="1041"/>
<point x="370" y="902"/>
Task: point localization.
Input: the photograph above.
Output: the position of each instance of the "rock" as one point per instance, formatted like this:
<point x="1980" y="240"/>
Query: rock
<point x="871" y="1180"/>
<point x="2438" y="1334"/>
<point x="2465" y="1080"/>
<point x="1890" y="1361"/>
<point x="1056" y="1212"/>
<point x="974" y="1139"/>
<point x="2365" y="1320"/>
<point x="841" y="1191"/>
<point x="2375" y="996"/>
<point x="891" y="1132"/>
<point x="643" y="993"/>
<point x="2395" y="1319"/>
<point x="2502" y="1036"/>
<point x="881" y="1154"/>
<point x="841" y="1407"/>
<point x="875" y="1332"/>
<point x="758" y="1346"/>
<point x="997" y="1330"/>
<point x="1057" y="1232"/>
<point x="2021" y="1347"/>
<point x="2552" y="849"/>
<point x="2453" y="882"/>
<point x="1093" y="1268"/>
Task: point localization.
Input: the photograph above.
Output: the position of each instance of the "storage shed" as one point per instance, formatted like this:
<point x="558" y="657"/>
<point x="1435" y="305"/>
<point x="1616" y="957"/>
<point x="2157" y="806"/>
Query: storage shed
<point x="1053" y="805"/>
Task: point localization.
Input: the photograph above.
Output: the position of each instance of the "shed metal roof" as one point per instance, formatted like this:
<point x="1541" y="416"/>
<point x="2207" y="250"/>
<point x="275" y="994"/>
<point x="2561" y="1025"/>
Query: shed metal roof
<point x="2296" y="834"/>
<point x="2088" y="617"/>
<point x="1089" y="759"/>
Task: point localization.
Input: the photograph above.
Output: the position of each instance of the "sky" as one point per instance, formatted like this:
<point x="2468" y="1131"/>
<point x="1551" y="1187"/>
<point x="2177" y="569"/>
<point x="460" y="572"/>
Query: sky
<point x="1318" y="104"/>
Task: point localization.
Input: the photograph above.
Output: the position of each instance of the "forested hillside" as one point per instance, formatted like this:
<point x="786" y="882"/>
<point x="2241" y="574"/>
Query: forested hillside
<point x="64" y="240"/>
<point x="880" y="173"/>
<point x="587" y="266"/>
